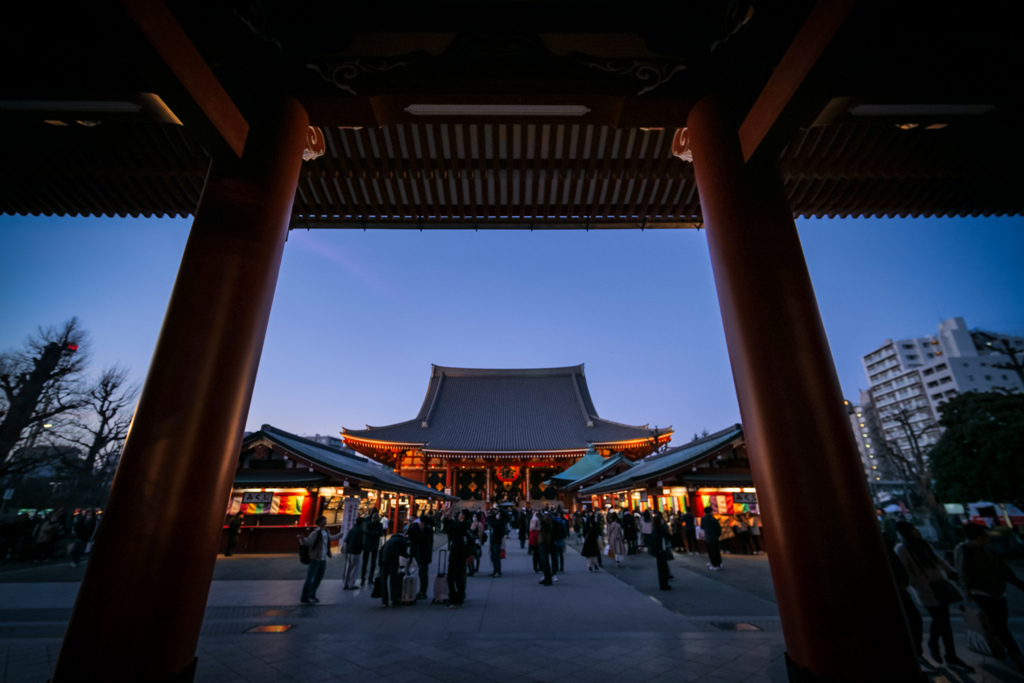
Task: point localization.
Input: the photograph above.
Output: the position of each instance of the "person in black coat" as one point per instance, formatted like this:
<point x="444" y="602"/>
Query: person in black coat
<point x="372" y="532"/>
<point x="390" y="572"/>
<point x="660" y="546"/>
<point x="421" y="537"/>
<point x="591" y="543"/>
<point x="461" y="545"/>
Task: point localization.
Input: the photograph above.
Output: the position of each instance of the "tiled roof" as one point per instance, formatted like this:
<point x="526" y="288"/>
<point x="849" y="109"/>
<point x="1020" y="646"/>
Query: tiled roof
<point x="668" y="461"/>
<point x="590" y="462"/>
<point x="503" y="411"/>
<point x="341" y="463"/>
<point x="609" y="465"/>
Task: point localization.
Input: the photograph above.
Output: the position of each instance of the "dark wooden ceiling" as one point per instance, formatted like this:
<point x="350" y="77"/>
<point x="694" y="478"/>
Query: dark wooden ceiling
<point x="523" y="114"/>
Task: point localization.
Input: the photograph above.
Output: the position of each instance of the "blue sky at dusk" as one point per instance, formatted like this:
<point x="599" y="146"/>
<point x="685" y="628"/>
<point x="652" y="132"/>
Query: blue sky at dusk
<point x="360" y="316"/>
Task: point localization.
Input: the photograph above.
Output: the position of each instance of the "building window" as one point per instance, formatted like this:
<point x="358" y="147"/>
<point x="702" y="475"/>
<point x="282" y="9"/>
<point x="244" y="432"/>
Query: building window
<point x="940" y="366"/>
<point x="970" y="378"/>
<point x="988" y="378"/>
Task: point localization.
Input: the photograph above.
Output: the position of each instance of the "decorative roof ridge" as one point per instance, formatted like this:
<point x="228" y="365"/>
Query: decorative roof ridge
<point x="579" y="401"/>
<point x="666" y="430"/>
<point x="438" y="370"/>
<point x="699" y="442"/>
<point x="370" y="428"/>
<point x="270" y="430"/>
<point x="433" y="402"/>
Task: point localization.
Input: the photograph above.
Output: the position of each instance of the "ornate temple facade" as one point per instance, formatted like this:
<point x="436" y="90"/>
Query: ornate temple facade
<point x="495" y="436"/>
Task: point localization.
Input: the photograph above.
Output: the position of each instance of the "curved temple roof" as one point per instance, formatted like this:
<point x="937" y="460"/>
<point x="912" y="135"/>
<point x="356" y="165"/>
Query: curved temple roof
<point x="505" y="411"/>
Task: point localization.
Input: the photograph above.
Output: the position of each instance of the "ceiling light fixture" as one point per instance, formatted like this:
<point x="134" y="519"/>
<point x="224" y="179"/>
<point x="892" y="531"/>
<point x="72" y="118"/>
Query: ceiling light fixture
<point x="497" y="109"/>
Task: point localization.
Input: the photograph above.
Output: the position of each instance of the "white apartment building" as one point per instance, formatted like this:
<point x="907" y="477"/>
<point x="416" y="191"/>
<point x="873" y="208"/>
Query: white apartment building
<point x="866" y="426"/>
<point x="910" y="378"/>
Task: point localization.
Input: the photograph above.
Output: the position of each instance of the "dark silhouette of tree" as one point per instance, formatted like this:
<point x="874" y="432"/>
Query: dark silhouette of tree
<point x="1002" y="346"/>
<point x="911" y="459"/>
<point x="979" y="454"/>
<point x="97" y="432"/>
<point x="39" y="383"/>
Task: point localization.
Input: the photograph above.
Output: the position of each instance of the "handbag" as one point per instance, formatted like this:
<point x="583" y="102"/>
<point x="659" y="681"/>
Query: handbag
<point x="981" y="637"/>
<point x="375" y="593"/>
<point x="501" y="555"/>
<point x="945" y="592"/>
<point x="303" y="553"/>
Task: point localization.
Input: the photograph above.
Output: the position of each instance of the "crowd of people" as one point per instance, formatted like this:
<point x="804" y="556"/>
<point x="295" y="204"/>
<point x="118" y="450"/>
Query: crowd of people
<point x="473" y="536"/>
<point x="46" y="536"/>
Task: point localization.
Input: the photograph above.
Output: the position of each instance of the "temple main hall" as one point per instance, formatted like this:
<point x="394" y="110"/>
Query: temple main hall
<point x="497" y="436"/>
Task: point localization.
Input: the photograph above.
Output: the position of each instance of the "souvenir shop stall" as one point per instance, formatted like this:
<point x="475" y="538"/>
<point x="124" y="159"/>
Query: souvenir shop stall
<point x="284" y="482"/>
<point x="711" y="472"/>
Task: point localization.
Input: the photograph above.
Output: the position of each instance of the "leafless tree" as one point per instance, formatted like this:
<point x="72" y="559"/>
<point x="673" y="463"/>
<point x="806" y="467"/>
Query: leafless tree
<point x="909" y="457"/>
<point x="39" y="384"/>
<point x="97" y="432"/>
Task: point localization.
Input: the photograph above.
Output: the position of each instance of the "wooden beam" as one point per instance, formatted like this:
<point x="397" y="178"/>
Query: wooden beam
<point x="186" y="83"/>
<point x="814" y="36"/>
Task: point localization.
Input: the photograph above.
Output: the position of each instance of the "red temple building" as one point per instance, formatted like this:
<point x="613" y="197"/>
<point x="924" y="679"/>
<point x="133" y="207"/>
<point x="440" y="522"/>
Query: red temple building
<point x="496" y="436"/>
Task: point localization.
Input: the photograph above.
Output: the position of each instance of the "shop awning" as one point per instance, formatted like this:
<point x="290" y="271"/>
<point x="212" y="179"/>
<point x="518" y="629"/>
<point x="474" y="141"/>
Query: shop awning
<point x="336" y="465"/>
<point x="666" y="463"/>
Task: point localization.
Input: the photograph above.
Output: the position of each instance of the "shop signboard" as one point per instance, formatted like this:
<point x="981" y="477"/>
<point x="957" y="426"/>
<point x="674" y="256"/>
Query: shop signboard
<point x="748" y="498"/>
<point x="349" y="512"/>
<point x="257" y="497"/>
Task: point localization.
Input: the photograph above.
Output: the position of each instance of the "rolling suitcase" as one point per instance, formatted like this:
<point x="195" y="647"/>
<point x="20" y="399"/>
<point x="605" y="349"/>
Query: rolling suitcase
<point x="441" y="581"/>
<point x="410" y="584"/>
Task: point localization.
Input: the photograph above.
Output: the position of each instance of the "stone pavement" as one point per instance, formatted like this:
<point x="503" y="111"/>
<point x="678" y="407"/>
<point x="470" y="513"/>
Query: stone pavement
<point x="717" y="627"/>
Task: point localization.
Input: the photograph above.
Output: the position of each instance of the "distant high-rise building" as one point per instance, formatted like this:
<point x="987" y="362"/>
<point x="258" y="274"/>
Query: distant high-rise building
<point x="867" y="429"/>
<point x="910" y="378"/>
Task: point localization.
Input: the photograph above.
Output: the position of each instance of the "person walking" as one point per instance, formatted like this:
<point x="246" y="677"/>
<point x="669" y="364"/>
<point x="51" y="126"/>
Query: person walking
<point x="544" y="541"/>
<point x="984" y="577"/>
<point x="630" y="530"/>
<point x="421" y="538"/>
<point x="461" y="543"/>
<point x="353" y="553"/>
<point x="534" y="540"/>
<point x="925" y="568"/>
<point x="395" y="548"/>
<point x="742" y="531"/>
<point x="661" y="547"/>
<point x="559" y="532"/>
<point x="319" y="542"/>
<point x="591" y="543"/>
<point x="372" y="532"/>
<point x="646" y="529"/>
<point x="84" y="530"/>
<point x="499" y="528"/>
<point x="690" y="532"/>
<point x="712" y="535"/>
<point x="616" y="539"/>
<point x="523" y="526"/>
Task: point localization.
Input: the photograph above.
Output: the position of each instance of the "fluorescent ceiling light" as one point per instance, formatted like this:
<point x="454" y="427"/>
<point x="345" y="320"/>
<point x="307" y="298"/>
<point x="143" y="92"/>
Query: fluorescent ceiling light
<point x="922" y="109"/>
<point x="497" y="109"/>
<point x="70" y="105"/>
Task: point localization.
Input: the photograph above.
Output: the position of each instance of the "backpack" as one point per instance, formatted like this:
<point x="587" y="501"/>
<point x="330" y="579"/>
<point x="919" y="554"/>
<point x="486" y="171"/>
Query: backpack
<point x="558" y="531"/>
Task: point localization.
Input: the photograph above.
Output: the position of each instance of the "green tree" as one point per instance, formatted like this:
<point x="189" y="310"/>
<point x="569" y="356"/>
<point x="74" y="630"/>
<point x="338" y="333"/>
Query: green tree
<point x="980" y="456"/>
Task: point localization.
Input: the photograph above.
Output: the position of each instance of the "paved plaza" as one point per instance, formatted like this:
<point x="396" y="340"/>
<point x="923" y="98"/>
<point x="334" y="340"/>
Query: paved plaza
<point x="712" y="627"/>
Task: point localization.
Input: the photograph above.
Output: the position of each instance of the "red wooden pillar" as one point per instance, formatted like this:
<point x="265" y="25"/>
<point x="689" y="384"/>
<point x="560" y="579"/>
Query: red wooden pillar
<point x="840" y="612"/>
<point x="140" y="607"/>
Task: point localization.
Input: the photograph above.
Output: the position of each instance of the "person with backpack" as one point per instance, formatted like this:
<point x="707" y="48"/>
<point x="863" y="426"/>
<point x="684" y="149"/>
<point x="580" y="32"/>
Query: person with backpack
<point x="319" y="543"/>
<point x="353" y="552"/>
